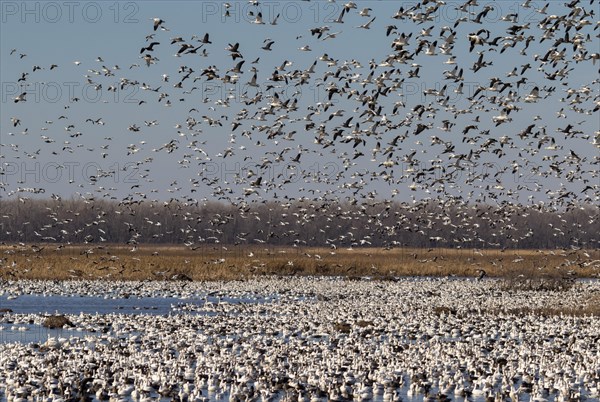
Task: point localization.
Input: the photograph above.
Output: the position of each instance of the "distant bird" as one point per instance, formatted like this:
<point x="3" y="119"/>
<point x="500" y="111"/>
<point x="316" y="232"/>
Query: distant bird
<point x="331" y="35"/>
<point x="157" y="22"/>
<point x="259" y="19"/>
<point x="205" y="39"/>
<point x="367" y="25"/>
<point x="477" y="39"/>
<point x="149" y="48"/>
<point x="268" y="45"/>
<point x="365" y="12"/>
<point x="20" y="97"/>
<point x="252" y="81"/>
<point x="533" y="96"/>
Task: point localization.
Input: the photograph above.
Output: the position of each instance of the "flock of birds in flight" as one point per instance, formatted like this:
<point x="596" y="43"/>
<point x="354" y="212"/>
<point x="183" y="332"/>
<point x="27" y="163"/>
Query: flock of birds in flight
<point x="470" y="148"/>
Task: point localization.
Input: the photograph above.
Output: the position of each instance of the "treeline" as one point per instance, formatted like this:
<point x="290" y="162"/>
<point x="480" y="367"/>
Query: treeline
<point x="441" y="223"/>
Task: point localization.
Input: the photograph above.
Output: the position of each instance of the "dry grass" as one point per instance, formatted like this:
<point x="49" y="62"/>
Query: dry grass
<point x="216" y="262"/>
<point x="590" y="307"/>
<point x="588" y="304"/>
<point x="541" y="281"/>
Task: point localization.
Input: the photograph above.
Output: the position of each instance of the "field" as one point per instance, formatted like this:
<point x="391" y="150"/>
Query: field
<point x="218" y="262"/>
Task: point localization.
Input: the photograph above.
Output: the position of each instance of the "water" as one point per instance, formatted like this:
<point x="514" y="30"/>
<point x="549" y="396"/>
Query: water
<point x="27" y="333"/>
<point x="11" y="331"/>
<point x="39" y="304"/>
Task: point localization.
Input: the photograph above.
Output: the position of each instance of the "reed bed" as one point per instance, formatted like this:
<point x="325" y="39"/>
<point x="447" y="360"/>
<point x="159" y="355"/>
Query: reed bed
<point x="519" y="268"/>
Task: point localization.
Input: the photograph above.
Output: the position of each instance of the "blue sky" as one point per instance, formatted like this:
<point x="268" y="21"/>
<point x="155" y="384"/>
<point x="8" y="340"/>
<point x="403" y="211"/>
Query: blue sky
<point x="62" y="33"/>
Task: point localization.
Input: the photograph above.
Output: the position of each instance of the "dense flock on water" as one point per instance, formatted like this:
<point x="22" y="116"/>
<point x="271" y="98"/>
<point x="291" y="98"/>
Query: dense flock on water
<point x="311" y="339"/>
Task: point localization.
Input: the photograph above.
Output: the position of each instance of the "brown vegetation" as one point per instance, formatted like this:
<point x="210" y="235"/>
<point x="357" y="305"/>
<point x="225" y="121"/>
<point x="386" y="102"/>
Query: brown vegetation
<point x="553" y="280"/>
<point x="589" y="307"/>
<point x="523" y="269"/>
